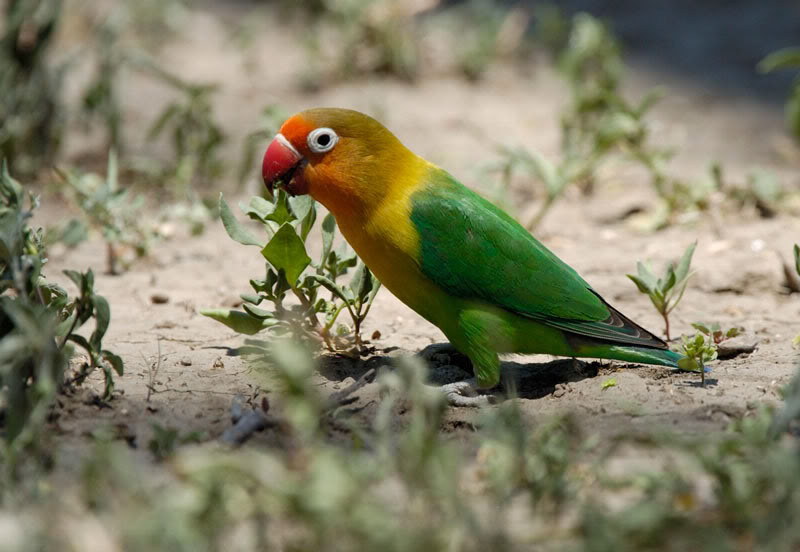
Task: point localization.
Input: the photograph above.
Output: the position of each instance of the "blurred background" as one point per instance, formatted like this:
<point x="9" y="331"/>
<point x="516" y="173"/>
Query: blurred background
<point x="618" y="131"/>
<point x="165" y="81"/>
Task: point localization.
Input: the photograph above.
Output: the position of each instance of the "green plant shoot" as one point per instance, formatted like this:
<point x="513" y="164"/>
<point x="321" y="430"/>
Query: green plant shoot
<point x="698" y="350"/>
<point x="290" y="271"/>
<point x="665" y="292"/>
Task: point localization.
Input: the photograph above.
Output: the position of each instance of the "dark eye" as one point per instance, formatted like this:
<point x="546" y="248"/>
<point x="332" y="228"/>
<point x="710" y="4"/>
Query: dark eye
<point x="322" y="140"/>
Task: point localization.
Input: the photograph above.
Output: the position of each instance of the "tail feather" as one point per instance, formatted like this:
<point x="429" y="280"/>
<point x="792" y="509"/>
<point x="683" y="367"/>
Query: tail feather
<point x="661" y="357"/>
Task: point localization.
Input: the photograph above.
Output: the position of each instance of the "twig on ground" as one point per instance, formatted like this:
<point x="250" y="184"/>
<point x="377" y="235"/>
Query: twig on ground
<point x="343" y="397"/>
<point x="246" y="422"/>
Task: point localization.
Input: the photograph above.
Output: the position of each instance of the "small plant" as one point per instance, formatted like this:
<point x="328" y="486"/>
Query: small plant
<point x="698" y="351"/>
<point x="715" y="332"/>
<point x="101" y="97"/>
<point x="110" y="209"/>
<point x="38" y="321"/>
<point x="288" y="223"/>
<point x="496" y="32"/>
<point x="787" y="58"/>
<point x="195" y="134"/>
<point x="74" y="314"/>
<point x="665" y="292"/>
<point x="373" y="36"/>
<point x="597" y="123"/>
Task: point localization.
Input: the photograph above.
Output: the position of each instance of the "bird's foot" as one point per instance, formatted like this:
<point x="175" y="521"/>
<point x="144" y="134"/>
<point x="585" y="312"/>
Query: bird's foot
<point x="465" y="393"/>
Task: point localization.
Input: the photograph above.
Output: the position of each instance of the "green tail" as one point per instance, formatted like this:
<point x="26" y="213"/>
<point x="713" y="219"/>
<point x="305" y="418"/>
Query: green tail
<point x="643" y="355"/>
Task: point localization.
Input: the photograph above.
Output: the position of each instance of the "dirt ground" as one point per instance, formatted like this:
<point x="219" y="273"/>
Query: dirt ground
<point x="738" y="280"/>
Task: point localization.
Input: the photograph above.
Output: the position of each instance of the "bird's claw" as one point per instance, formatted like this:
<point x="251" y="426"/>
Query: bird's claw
<point x="464" y="393"/>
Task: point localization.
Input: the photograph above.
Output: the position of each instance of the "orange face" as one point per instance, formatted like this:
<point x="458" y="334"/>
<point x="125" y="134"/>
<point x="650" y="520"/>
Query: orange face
<point x="335" y="155"/>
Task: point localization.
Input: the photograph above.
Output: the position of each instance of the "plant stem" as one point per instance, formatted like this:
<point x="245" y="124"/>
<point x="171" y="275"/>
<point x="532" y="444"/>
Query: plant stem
<point x="330" y="323"/>
<point x="666" y="324"/>
<point x="537" y="218"/>
<point x="312" y="317"/>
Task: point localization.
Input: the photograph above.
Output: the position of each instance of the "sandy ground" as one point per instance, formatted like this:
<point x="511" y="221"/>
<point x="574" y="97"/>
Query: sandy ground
<point x="738" y="280"/>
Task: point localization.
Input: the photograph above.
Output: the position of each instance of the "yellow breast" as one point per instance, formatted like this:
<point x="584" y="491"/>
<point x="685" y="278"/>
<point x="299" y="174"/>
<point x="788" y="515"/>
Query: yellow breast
<point x="388" y="242"/>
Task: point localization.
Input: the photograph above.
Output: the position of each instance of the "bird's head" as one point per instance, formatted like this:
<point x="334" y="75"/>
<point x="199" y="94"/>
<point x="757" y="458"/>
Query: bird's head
<point x="338" y="156"/>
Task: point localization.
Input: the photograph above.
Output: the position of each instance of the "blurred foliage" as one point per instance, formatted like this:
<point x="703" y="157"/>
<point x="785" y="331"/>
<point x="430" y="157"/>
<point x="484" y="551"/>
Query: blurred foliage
<point x="288" y="223"/>
<point x="370" y="36"/>
<point x="787" y="58"/>
<point x="600" y="124"/>
<point x="597" y="122"/>
<point x="37" y="322"/>
<point x="195" y="135"/>
<point x="114" y="212"/>
<point x="31" y="119"/>
<point x="384" y="485"/>
<point x="483" y="32"/>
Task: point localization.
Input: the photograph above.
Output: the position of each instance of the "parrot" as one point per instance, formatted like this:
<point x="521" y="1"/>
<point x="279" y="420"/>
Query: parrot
<point x="452" y="256"/>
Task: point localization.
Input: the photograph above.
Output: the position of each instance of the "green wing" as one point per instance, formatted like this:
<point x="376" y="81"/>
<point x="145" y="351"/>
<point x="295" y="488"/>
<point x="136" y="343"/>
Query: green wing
<point x="474" y="250"/>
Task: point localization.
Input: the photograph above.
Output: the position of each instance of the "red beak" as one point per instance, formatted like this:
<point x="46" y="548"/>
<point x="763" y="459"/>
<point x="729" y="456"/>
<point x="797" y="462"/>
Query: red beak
<point x="280" y="161"/>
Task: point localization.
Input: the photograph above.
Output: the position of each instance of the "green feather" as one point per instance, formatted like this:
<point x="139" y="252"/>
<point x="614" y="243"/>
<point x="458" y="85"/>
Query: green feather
<point x="472" y="249"/>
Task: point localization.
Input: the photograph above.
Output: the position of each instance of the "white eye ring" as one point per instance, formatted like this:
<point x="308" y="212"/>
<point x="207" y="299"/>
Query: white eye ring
<point x="322" y="140"/>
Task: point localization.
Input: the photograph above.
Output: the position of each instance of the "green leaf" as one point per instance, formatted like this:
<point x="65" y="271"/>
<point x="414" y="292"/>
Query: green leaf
<point x="689" y="365"/>
<point x="666" y="284"/>
<point x="611" y="382"/>
<point x="546" y="171"/>
<point x="238" y="321"/>
<point x="677" y="299"/>
<point x="259" y="209"/>
<point x="102" y="313"/>
<point x="74" y="232"/>
<point x="63" y="327"/>
<point x="54" y="295"/>
<point x="330" y="285"/>
<point x="641" y="284"/>
<point x="733" y="332"/>
<point x="252" y="298"/>
<point x="286" y="251"/>
<point x="645" y="275"/>
<point x="785" y="58"/>
<point x="281" y="214"/>
<point x="328" y="231"/>
<point x="114" y="360"/>
<point x="308" y="221"/>
<point x="301" y="205"/>
<point x="682" y="272"/>
<point x="11" y="188"/>
<point x="361" y="283"/>
<point x="235" y="230"/>
<point x="699" y="326"/>
<point x="76" y="277"/>
<point x="80" y="340"/>
<point x="261" y="314"/>
<point x="797" y="258"/>
<point x="162" y="120"/>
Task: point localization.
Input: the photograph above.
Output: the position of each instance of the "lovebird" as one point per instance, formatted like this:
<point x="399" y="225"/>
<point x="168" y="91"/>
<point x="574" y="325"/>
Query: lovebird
<point x="455" y="258"/>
